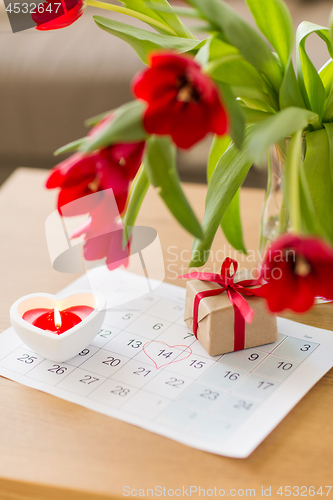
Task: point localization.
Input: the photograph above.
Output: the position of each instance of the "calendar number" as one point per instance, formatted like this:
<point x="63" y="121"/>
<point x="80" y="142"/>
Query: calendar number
<point x="208" y="394"/>
<point x="88" y="379"/>
<point x="175" y="382"/>
<point x="104" y="333"/>
<point x="305" y="347"/>
<point x="84" y="352"/>
<point x="264" y="385"/>
<point x="197" y="364"/>
<point x="111" y="361"/>
<point x="120" y="391"/>
<point x="243" y="405"/>
<point x="57" y="369"/>
<point x="142" y="371"/>
<point x="231" y="376"/>
<point x="284" y="366"/>
<point x="158" y="326"/>
<point x="26" y="358"/>
<point x="135" y="343"/>
<point x="164" y="353"/>
<point x="127" y="316"/>
<point x="187" y="336"/>
<point x="253" y="357"/>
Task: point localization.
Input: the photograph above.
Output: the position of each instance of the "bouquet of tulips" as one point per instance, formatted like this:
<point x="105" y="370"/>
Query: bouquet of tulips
<point x="239" y="85"/>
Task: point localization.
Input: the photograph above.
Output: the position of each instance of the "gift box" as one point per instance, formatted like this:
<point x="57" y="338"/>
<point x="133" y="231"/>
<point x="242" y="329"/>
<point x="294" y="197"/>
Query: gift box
<point x="227" y="316"/>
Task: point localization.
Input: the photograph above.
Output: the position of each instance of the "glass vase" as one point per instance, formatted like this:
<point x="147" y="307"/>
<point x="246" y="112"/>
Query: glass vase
<point x="274" y="214"/>
<point x="275" y="219"/>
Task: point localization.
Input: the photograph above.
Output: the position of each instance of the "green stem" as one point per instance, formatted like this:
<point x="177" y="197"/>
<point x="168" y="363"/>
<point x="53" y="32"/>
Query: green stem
<point x="138" y="191"/>
<point x="293" y="187"/>
<point x="284" y="217"/>
<point x="132" y="13"/>
<point x="284" y="214"/>
<point x="263" y="239"/>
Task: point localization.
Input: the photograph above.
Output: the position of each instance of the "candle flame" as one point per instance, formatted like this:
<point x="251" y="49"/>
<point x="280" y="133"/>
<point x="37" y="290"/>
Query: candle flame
<point x="57" y="318"/>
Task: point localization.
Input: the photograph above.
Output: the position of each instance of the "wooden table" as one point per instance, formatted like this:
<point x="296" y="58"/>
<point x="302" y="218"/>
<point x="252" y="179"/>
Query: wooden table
<point x="52" y="449"/>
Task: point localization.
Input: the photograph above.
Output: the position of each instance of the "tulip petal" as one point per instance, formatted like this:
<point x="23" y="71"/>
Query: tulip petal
<point x="306" y="265"/>
<point x="54" y="16"/>
<point x="76" y="201"/>
<point x="183" y="102"/>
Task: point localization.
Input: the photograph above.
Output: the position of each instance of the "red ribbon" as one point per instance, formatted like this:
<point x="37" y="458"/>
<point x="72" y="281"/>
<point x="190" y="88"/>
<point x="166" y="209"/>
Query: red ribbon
<point x="242" y="311"/>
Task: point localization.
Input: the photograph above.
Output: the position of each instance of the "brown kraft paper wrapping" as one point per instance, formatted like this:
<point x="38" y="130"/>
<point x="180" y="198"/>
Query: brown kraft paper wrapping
<point x="216" y="320"/>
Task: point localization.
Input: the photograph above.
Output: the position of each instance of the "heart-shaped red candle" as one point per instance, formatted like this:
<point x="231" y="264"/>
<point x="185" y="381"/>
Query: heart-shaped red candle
<point x="58" y="327"/>
<point x="57" y="321"/>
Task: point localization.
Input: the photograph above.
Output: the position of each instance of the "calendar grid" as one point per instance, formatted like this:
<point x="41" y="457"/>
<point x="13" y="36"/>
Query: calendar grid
<point x="146" y="367"/>
<point x="166" y="368"/>
<point x="234" y="389"/>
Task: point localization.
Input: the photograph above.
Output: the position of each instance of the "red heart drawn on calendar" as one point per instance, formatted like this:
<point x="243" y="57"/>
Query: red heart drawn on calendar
<point x="163" y="354"/>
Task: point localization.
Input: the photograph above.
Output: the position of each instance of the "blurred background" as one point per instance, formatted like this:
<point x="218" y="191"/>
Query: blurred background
<point x="50" y="82"/>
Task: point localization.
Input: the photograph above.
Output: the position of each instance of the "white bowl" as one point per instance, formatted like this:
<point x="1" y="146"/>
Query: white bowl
<point x="68" y="344"/>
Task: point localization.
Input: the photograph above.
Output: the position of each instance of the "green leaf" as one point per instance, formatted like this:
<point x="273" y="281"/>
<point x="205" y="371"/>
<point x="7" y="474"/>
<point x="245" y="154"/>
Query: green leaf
<point x="138" y="192"/>
<point x="72" y="146"/>
<point x="290" y="93"/>
<point x="231" y="224"/>
<point x="236" y="115"/>
<point x="94" y="120"/>
<point x="240" y="34"/>
<point x="170" y="18"/>
<point x="310" y="224"/>
<point x="276" y="127"/>
<point x="318" y="173"/>
<point x="160" y="166"/>
<point x="254" y="115"/>
<point x="254" y="104"/>
<point x="328" y="115"/>
<point x="219" y="48"/>
<point x="306" y="28"/>
<point x="126" y="126"/>
<point x="202" y="56"/>
<point x="165" y="15"/>
<point x="330" y="23"/>
<point x="275" y="22"/>
<point x="180" y="11"/>
<point x="233" y="69"/>
<point x="329" y="131"/>
<point x="219" y="146"/>
<point x="255" y="98"/>
<point x="326" y="75"/>
<point x="144" y="42"/>
<point x="227" y="178"/>
<point x="310" y="83"/>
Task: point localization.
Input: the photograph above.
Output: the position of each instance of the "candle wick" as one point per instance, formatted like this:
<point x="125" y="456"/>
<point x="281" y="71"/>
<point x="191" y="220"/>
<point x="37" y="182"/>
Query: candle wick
<point x="57" y="318"/>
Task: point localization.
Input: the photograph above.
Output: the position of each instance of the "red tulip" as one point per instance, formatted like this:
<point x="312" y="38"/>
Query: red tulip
<point x="297" y="269"/>
<point x="57" y="14"/>
<point x="81" y="175"/>
<point x="183" y="102"/>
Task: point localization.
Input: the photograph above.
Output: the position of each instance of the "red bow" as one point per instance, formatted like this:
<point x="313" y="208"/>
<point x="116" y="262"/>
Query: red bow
<point x="243" y="312"/>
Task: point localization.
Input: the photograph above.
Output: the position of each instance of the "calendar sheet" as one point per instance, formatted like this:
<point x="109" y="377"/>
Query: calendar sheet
<point x="145" y="367"/>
